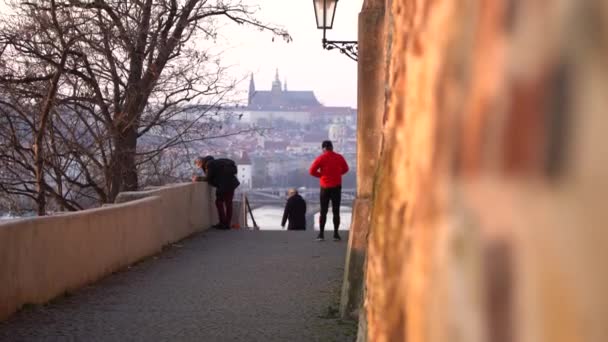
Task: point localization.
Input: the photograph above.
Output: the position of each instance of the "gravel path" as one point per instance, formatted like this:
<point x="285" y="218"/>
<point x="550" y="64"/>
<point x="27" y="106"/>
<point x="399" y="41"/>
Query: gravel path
<point x="214" y="286"/>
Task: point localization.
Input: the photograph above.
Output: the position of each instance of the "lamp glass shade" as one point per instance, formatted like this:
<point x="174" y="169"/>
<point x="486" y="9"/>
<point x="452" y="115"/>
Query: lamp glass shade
<point x="325" y="11"/>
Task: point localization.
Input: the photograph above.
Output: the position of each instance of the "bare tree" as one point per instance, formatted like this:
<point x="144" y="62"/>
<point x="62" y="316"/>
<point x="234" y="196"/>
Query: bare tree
<point x="147" y="60"/>
<point x="35" y="82"/>
<point x="109" y="74"/>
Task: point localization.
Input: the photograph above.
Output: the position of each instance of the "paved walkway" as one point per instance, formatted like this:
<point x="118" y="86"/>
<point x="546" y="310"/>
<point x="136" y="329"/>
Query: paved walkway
<point x="214" y="286"/>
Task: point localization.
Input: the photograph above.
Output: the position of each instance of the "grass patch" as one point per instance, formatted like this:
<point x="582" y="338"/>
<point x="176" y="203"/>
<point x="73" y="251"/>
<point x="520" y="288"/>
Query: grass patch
<point x="334" y="327"/>
<point x="331" y="312"/>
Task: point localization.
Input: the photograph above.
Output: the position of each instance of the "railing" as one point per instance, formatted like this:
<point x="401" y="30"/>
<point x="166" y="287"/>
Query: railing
<point x="277" y="195"/>
<point x="247" y="210"/>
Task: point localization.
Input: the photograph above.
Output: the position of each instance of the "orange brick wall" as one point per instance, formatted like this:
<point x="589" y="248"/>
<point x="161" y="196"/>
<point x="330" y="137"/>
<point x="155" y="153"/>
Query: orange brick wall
<point x="489" y="219"/>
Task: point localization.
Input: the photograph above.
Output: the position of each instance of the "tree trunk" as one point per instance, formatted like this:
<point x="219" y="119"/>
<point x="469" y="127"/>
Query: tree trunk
<point x="39" y="166"/>
<point x="39" y="139"/>
<point x="123" y="171"/>
<point x="130" y="169"/>
<point x="60" y="191"/>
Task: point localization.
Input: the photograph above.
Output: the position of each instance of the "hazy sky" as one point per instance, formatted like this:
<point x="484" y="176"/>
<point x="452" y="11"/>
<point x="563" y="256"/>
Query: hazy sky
<point x="303" y="62"/>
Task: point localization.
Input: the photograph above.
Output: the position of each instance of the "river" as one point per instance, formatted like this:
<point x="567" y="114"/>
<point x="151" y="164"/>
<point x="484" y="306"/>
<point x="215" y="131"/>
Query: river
<point x="269" y="218"/>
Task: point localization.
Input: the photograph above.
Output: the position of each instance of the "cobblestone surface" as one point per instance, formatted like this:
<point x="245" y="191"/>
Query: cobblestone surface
<point x="214" y="286"/>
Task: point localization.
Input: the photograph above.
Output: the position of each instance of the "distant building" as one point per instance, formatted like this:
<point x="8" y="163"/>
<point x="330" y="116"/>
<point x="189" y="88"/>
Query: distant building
<point x="346" y="115"/>
<point x="279" y="103"/>
<point x="308" y="143"/>
<point x="275" y="145"/>
<point x="279" y="98"/>
<point x="338" y="133"/>
<point x="244" y="167"/>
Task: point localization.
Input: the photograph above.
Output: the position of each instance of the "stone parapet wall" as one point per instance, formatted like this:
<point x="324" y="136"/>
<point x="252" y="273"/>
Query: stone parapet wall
<point x="42" y="258"/>
<point x="186" y="207"/>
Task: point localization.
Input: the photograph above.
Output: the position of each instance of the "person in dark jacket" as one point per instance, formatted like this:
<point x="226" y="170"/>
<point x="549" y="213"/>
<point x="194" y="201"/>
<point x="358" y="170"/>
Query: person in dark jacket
<point x="295" y="211"/>
<point x="221" y="174"/>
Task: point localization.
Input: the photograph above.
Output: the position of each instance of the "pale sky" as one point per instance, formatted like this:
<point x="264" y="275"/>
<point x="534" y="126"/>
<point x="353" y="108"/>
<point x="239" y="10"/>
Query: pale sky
<point x="303" y="62"/>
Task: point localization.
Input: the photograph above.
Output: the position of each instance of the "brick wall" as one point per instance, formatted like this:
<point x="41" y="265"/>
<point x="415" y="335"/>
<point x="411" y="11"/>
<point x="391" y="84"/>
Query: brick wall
<point x="489" y="221"/>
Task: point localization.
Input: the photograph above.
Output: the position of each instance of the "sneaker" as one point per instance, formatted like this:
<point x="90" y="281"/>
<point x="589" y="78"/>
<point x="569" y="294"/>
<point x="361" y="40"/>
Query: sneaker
<point x="337" y="237"/>
<point x="320" y="238"/>
<point x="219" y="226"/>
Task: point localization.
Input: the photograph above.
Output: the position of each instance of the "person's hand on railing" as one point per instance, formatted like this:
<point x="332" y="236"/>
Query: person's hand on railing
<point x="196" y="178"/>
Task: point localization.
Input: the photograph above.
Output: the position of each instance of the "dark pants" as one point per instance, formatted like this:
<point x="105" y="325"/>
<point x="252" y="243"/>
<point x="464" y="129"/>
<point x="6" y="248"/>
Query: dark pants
<point x="223" y="202"/>
<point x="334" y="195"/>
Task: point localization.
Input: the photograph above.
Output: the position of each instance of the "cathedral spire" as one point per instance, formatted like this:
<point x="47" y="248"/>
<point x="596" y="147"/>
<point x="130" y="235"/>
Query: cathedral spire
<point x="285" y="84"/>
<point x="276" y="84"/>
<point x="251" y="88"/>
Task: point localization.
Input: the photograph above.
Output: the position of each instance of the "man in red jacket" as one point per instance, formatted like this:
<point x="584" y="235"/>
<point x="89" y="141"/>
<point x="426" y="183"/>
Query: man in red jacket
<point x="329" y="166"/>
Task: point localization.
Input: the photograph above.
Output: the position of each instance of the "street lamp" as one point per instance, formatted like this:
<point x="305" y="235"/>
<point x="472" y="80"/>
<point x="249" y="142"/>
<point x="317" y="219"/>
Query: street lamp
<point x="325" y="11"/>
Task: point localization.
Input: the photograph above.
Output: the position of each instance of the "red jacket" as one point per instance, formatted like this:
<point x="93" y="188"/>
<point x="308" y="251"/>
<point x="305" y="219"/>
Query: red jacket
<point x="330" y="166"/>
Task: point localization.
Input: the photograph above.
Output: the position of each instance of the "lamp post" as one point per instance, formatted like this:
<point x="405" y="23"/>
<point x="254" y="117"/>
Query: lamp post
<point x="325" y="11"/>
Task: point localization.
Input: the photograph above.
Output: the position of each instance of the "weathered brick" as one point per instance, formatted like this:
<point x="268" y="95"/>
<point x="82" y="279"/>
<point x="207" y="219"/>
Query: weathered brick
<point x="488" y="216"/>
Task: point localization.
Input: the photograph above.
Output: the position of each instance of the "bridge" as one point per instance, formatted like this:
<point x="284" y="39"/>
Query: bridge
<point x="147" y="269"/>
<point x="277" y="196"/>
